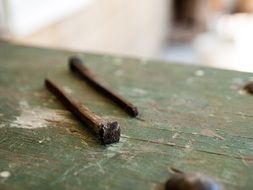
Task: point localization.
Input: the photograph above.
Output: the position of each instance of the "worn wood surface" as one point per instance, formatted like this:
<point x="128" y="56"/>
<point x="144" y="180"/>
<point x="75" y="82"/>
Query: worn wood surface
<point x="191" y="118"/>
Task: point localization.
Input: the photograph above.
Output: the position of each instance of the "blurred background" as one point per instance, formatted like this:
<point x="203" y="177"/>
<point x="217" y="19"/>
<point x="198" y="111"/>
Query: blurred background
<point x="216" y="33"/>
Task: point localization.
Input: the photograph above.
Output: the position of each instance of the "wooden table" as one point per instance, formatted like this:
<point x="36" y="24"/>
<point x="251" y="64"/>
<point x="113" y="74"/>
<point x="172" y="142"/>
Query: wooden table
<point x="192" y="118"/>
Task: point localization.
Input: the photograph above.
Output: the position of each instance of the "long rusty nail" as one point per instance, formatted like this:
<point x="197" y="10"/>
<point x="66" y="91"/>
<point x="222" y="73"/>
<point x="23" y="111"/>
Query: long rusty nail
<point x="108" y="132"/>
<point x="77" y="66"/>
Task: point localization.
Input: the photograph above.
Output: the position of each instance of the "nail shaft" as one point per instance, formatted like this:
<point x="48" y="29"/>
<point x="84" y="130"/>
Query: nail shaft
<point x="108" y="132"/>
<point x="78" y="67"/>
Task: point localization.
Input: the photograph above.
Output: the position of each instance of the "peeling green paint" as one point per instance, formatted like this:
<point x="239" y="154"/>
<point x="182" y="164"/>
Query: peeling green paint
<point x="191" y="118"/>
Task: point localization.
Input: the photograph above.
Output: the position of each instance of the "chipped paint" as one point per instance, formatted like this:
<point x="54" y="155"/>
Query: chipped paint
<point x="199" y="73"/>
<point x="210" y="133"/>
<point x="242" y="92"/>
<point x="176" y="135"/>
<point x="5" y="174"/>
<point x="35" y="117"/>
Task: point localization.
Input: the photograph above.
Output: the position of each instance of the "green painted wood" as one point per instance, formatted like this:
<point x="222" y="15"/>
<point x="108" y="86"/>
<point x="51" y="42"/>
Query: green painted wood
<point x="192" y="118"/>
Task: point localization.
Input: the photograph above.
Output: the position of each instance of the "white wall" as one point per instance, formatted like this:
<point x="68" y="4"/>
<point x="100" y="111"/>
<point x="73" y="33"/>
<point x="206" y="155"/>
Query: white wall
<point x="128" y="27"/>
<point x="23" y="17"/>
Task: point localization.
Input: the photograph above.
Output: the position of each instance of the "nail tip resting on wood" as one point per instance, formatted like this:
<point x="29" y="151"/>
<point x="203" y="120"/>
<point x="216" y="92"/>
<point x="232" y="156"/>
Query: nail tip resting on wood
<point x="76" y="66"/>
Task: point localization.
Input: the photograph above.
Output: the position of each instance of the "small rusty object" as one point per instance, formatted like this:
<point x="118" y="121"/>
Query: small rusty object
<point x="191" y="181"/>
<point x="249" y="87"/>
<point x="108" y="132"/>
<point x="76" y="65"/>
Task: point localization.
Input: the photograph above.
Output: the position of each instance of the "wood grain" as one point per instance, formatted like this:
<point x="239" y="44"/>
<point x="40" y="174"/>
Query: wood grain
<point x="191" y="122"/>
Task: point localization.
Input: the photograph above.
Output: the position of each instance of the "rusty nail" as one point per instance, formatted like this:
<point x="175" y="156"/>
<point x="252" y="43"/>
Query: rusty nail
<point x="108" y="132"/>
<point x="77" y="66"/>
